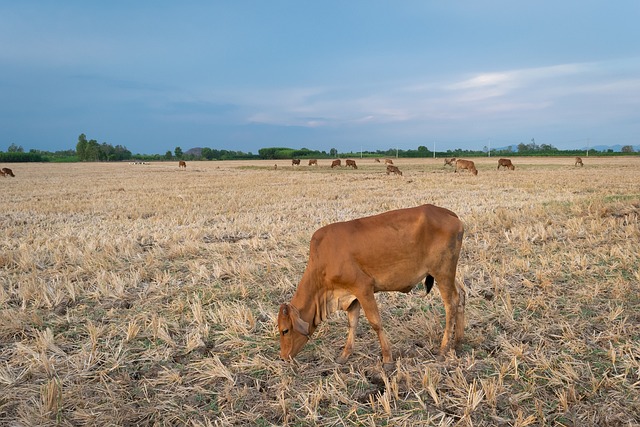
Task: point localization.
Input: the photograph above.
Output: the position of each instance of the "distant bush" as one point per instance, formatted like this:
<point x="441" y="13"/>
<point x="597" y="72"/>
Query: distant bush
<point x="16" y="157"/>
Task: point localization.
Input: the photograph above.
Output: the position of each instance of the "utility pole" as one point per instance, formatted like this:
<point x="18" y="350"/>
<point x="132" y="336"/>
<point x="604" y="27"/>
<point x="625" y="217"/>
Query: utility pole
<point x="588" y="145"/>
<point x="489" y="151"/>
<point x="434" y="149"/>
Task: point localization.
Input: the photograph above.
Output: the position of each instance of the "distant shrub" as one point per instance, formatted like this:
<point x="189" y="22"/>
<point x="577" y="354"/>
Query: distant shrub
<point x="16" y="157"/>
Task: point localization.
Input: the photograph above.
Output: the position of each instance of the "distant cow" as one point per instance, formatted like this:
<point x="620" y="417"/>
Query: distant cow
<point x="295" y="162"/>
<point x="336" y="163"/>
<point x="578" y="162"/>
<point x="376" y="160"/>
<point x="451" y="162"/>
<point x="466" y="164"/>
<point x="313" y="162"/>
<point x="388" y="161"/>
<point x="506" y="163"/>
<point x="7" y="171"/>
<point x="352" y="163"/>
<point x="182" y="164"/>
<point x="393" y="169"/>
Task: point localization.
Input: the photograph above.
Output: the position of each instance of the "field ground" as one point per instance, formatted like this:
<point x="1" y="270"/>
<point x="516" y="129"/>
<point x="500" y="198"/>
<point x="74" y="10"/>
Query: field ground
<point x="147" y="295"/>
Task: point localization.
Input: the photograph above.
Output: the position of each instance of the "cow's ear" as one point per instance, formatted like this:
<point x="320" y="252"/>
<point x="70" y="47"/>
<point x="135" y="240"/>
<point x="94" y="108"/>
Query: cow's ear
<point x="284" y="309"/>
<point x="301" y="326"/>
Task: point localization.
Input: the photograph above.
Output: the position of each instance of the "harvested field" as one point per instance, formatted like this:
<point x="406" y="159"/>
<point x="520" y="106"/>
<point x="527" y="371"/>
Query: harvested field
<point x="147" y="295"/>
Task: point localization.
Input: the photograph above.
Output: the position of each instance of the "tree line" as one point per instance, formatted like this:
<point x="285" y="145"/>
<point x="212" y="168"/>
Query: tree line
<point x="92" y="151"/>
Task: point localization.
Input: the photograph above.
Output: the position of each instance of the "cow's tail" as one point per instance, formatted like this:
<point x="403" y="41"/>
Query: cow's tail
<point x="428" y="283"/>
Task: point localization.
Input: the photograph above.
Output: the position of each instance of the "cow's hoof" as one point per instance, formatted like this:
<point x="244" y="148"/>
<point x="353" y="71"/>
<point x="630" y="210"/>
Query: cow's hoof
<point x="389" y="367"/>
<point x="341" y="360"/>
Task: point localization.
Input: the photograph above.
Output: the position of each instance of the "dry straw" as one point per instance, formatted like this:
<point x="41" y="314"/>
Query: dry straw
<point x="147" y="295"/>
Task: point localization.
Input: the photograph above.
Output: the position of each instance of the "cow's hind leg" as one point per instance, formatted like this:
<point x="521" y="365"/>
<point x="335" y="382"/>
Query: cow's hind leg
<point x="353" y="314"/>
<point x="452" y="300"/>
<point x="460" y="322"/>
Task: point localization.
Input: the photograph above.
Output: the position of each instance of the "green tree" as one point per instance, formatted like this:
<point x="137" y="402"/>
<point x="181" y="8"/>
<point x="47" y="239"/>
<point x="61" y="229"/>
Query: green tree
<point x="207" y="153"/>
<point x="13" y="148"/>
<point x="627" y="149"/>
<point x="93" y="151"/>
<point x="333" y="152"/>
<point x="178" y="152"/>
<point x="81" y="147"/>
<point x="424" y="151"/>
<point x="168" y="155"/>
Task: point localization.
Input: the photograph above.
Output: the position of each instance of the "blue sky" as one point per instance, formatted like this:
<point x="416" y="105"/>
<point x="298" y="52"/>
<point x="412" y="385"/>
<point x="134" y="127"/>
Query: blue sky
<point x="351" y="75"/>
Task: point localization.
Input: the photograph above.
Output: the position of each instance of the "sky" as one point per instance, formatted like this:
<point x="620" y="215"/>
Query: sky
<point x="352" y="75"/>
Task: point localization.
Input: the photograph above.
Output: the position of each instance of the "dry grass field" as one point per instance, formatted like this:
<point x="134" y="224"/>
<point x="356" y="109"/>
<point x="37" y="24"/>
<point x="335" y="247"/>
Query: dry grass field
<point x="147" y="295"/>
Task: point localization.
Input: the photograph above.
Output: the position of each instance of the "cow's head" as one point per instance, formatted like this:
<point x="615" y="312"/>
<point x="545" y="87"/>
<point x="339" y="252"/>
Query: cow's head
<point x="475" y="171"/>
<point x="294" y="332"/>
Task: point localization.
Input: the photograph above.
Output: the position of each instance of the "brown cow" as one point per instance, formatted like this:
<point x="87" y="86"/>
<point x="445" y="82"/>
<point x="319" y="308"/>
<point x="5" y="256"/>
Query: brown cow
<point x="466" y="164"/>
<point x="451" y="162"/>
<point x="7" y="171"/>
<point x="336" y="163"/>
<point x="388" y="161"/>
<point x="182" y="164"/>
<point x="506" y="163"/>
<point x="578" y="162"/>
<point x="350" y="261"/>
<point x="352" y="163"/>
<point x="295" y="162"/>
<point x="313" y="162"/>
<point x="393" y="169"/>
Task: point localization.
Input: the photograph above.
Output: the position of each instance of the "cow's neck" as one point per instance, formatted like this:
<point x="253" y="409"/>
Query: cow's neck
<point x="316" y="302"/>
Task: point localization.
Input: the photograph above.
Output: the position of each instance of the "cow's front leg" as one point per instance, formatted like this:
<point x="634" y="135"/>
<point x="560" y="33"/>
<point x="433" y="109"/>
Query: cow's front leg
<point x="370" y="308"/>
<point x="353" y="314"/>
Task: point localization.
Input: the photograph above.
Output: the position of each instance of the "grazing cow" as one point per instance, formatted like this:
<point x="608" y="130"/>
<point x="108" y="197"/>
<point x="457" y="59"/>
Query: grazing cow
<point x="295" y="162"/>
<point x="336" y="163"/>
<point x="376" y="160"/>
<point x="313" y="162"/>
<point x="388" y="161"/>
<point x="350" y="261"/>
<point x="506" y="163"/>
<point x="352" y="163"/>
<point x="275" y="167"/>
<point x="7" y="171"/>
<point x="393" y="169"/>
<point x="466" y="164"/>
<point x="451" y="162"/>
<point x="578" y="162"/>
<point x="182" y="164"/>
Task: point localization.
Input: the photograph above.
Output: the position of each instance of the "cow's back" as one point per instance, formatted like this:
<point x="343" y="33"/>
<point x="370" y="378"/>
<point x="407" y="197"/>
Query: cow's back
<point x="396" y="248"/>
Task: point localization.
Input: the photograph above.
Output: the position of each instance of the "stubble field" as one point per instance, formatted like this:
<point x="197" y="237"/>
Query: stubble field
<point x="147" y="295"/>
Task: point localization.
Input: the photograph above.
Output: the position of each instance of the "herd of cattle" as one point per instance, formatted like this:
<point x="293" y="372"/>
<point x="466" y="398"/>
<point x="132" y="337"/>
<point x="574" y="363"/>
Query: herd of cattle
<point x="350" y="163"/>
<point x="458" y="164"/>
